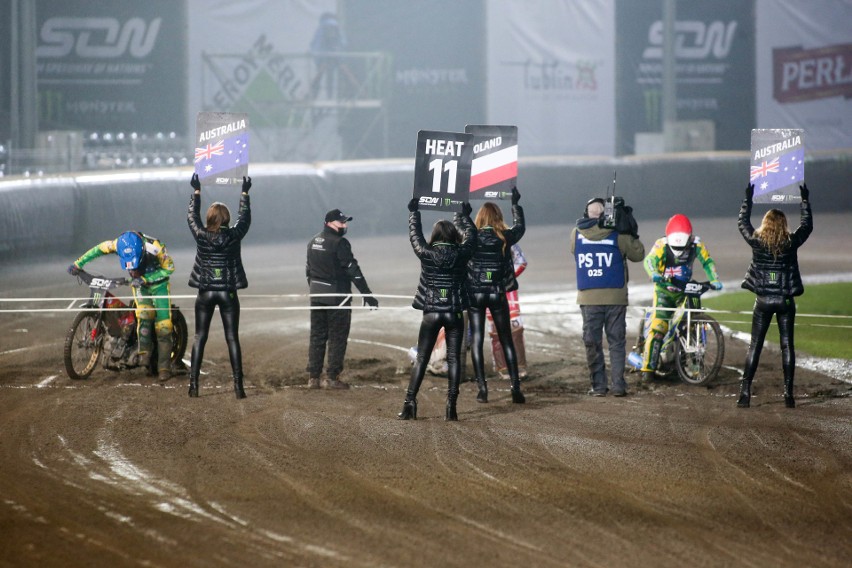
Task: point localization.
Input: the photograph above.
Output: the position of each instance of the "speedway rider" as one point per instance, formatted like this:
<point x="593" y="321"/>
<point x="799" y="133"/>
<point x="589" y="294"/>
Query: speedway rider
<point x="669" y="265"/>
<point x="150" y="266"/>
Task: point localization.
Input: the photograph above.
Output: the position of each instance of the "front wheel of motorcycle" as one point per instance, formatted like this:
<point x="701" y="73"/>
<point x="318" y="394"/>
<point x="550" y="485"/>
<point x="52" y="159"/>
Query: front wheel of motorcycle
<point x="700" y="363"/>
<point x="84" y="344"/>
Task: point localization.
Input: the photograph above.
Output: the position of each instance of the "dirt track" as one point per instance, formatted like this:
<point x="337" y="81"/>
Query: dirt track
<point x="121" y="471"/>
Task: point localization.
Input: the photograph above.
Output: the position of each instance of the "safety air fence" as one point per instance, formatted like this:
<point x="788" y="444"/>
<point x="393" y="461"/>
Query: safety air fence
<point x="69" y="212"/>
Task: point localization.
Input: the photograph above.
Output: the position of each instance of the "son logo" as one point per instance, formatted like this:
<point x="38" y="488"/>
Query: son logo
<point x="100" y="38"/>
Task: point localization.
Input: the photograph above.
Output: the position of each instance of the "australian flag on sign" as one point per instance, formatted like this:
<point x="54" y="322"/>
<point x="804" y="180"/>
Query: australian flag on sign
<point x="222" y="147"/>
<point x="777" y="165"/>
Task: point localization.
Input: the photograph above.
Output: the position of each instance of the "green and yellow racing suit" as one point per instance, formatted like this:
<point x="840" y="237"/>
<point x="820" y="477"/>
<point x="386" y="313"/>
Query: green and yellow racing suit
<point x="665" y="263"/>
<point x="152" y="298"/>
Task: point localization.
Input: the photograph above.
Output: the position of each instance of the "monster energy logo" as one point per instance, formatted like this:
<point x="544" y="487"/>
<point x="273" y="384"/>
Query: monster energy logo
<point x="443" y="292"/>
<point x="488" y="275"/>
<point x="448" y="201"/>
<point x="217" y="272"/>
<point x="773" y="276"/>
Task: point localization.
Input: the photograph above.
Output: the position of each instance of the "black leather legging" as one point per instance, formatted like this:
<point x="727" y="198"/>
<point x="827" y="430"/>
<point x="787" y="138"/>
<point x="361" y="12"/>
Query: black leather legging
<point x="784" y="309"/>
<point x="229" y="309"/>
<point x="499" y="306"/>
<point x="453" y="324"/>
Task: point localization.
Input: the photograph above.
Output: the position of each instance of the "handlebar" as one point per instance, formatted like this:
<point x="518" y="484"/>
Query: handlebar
<point x="101" y="281"/>
<point x="693" y="287"/>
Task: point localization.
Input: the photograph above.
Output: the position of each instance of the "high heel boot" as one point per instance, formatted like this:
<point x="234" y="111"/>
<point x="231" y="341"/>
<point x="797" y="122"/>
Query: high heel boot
<point x="789" y="401"/>
<point x="745" y="394"/>
<point x="452" y="415"/>
<point x="193" y="386"/>
<point x="517" y="395"/>
<point x="482" y="395"/>
<point x="238" y="386"/>
<point x="409" y="409"/>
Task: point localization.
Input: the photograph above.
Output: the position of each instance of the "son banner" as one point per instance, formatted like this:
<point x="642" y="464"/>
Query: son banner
<point x="442" y="169"/>
<point x="494" y="170"/>
<point x="221" y="147"/>
<point x="777" y="164"/>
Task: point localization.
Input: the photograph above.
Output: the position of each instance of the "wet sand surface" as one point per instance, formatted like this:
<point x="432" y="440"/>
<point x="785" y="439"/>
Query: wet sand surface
<point x="120" y="470"/>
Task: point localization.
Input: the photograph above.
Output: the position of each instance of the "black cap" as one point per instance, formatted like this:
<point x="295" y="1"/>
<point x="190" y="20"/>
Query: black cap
<point x="336" y="215"/>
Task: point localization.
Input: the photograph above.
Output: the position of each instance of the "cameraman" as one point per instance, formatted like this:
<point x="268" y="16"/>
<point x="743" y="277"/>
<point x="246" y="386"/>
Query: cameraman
<point x="600" y="246"/>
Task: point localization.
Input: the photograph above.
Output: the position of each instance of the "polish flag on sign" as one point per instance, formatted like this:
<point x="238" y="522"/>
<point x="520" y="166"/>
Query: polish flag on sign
<point x="494" y="170"/>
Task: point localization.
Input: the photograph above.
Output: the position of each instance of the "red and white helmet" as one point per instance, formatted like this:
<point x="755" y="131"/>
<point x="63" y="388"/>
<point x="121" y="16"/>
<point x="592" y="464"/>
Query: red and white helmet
<point x="678" y="231"/>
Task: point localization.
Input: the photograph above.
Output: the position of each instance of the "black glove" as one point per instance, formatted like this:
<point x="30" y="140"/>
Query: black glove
<point x="246" y="184"/>
<point x="195" y="183"/>
<point x="516" y="196"/>
<point x="803" y="189"/>
<point x="137" y="282"/>
<point x="371" y="301"/>
<point x="412" y="205"/>
<point x="73" y="269"/>
<point x="750" y="192"/>
<point x="466" y="209"/>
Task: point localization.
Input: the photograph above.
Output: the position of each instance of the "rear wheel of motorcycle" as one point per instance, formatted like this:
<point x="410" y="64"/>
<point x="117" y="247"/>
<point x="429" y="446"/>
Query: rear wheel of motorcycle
<point x="703" y="365"/>
<point x="84" y="344"/>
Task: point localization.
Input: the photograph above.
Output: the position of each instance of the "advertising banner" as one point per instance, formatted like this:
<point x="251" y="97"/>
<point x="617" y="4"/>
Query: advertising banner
<point x="551" y="71"/>
<point x="714" y="66"/>
<point x="494" y="170"/>
<point x="111" y="65"/>
<point x="442" y="169"/>
<point x="222" y="147"/>
<point x="804" y="69"/>
<point x="777" y="164"/>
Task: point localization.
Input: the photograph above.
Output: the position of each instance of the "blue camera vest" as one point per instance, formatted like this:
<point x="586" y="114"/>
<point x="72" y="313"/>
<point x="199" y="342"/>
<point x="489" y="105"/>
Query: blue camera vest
<point x="600" y="264"/>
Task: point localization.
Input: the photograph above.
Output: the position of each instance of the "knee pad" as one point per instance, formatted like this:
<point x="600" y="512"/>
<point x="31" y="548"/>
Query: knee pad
<point x="659" y="326"/>
<point x="146" y="313"/>
<point x="164" y="328"/>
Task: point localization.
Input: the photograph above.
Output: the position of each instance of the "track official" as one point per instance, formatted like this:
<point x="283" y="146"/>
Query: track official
<point x="331" y="269"/>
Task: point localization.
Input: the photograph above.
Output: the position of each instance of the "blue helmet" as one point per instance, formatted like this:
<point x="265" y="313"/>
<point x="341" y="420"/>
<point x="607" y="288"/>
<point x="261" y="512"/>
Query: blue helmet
<point x="129" y="247"/>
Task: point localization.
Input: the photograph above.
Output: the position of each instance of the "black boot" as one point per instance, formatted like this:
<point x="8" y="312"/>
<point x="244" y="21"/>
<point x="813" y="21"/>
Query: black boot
<point x="482" y="395"/>
<point x="745" y="394"/>
<point x="409" y="409"/>
<point x="789" y="401"/>
<point x="517" y="395"/>
<point x="452" y="415"/>
<point x="238" y="386"/>
<point x="193" y="386"/>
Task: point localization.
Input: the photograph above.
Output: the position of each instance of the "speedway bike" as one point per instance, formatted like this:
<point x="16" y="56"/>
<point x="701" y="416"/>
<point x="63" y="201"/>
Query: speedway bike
<point x="104" y="331"/>
<point x="693" y="346"/>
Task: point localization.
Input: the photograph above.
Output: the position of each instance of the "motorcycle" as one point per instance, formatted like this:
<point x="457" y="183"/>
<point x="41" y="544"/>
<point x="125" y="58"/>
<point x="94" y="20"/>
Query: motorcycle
<point x="693" y="346"/>
<point x="105" y="331"/>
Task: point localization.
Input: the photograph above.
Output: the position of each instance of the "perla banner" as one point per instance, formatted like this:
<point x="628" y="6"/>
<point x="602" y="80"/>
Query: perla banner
<point x="494" y="170"/>
<point x="222" y="147"/>
<point x="442" y="169"/>
<point x="804" y="69"/>
<point x="777" y="164"/>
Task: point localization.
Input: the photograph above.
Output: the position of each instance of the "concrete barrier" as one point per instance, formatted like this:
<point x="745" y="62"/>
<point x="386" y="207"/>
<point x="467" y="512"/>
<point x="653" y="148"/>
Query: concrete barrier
<point x="74" y="211"/>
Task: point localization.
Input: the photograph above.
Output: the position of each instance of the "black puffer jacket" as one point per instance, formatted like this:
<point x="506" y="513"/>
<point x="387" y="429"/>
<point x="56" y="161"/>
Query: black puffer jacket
<point x="769" y="275"/>
<point x="218" y="259"/>
<point x="442" y="267"/>
<point x="490" y="269"/>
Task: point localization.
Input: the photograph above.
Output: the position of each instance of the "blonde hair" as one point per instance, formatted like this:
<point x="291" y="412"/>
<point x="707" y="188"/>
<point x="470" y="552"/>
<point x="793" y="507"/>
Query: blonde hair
<point x="773" y="233"/>
<point x="489" y="215"/>
<point x="218" y="216"/>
